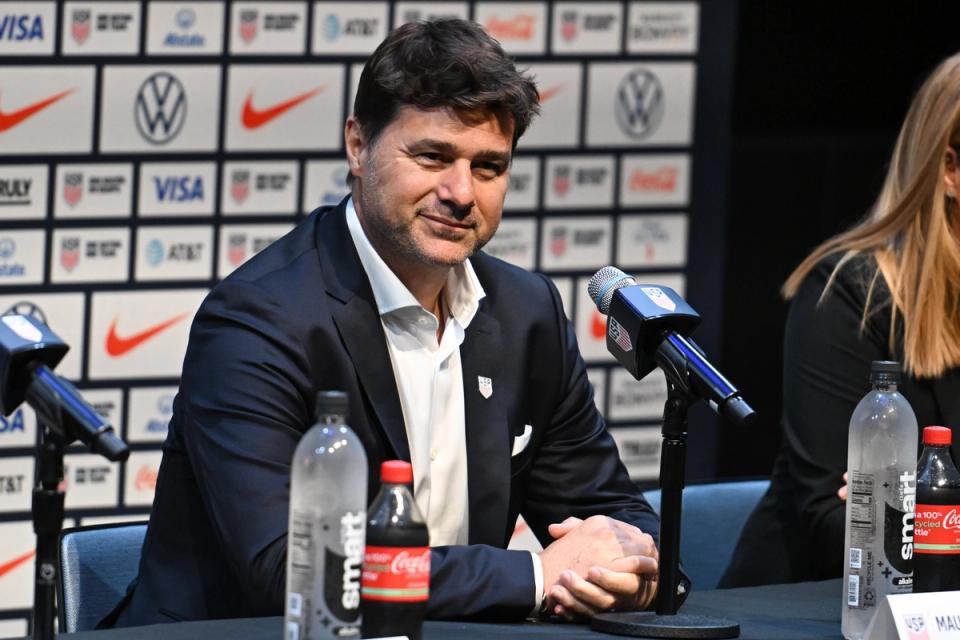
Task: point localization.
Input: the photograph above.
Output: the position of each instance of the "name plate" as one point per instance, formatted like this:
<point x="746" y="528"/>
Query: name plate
<point x="917" y="616"/>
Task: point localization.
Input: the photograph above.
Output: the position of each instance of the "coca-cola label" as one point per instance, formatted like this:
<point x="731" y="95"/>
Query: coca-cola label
<point x="938" y="529"/>
<point x="396" y="574"/>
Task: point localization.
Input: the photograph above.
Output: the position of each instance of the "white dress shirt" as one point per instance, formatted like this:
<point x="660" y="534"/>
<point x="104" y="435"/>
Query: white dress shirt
<point x="429" y="380"/>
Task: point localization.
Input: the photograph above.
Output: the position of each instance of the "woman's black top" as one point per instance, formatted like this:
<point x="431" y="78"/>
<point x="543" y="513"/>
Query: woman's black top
<point x="796" y="532"/>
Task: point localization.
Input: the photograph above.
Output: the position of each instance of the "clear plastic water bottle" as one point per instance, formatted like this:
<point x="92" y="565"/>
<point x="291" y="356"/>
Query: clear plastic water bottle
<point x="881" y="498"/>
<point x="328" y="515"/>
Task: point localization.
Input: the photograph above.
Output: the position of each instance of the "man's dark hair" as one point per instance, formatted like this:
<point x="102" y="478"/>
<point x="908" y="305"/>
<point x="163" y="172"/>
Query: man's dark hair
<point x="447" y="63"/>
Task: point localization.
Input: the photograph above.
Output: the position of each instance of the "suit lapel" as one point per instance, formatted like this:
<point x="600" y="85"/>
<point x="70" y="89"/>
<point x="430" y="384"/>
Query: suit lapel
<point x="487" y="432"/>
<point x="358" y="322"/>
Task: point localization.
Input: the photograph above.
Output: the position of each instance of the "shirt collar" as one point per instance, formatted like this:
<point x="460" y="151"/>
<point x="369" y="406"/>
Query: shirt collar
<point x="461" y="294"/>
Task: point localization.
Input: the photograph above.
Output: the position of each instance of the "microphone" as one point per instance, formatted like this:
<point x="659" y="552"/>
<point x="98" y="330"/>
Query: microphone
<point x="29" y="351"/>
<point x="647" y="328"/>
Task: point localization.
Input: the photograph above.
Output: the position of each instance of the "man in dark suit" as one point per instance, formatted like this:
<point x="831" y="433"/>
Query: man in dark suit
<point x="452" y="359"/>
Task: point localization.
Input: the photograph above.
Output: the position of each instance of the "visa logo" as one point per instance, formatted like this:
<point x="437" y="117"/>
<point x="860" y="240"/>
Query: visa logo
<point x="15" y="423"/>
<point x="14" y="27"/>
<point x="179" y="189"/>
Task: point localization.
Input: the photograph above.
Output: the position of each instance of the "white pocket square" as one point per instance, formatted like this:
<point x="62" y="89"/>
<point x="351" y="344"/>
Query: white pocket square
<point x="520" y="442"/>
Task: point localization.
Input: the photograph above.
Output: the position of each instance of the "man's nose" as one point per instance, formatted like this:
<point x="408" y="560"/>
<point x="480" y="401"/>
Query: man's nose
<point x="456" y="187"/>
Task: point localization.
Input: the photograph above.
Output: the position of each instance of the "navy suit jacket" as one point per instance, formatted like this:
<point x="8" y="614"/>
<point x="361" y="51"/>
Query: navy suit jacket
<point x="299" y="317"/>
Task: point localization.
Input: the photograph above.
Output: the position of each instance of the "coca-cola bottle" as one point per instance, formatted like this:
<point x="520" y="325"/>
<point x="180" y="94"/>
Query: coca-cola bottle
<point x="328" y="496"/>
<point x="396" y="565"/>
<point x="936" y="560"/>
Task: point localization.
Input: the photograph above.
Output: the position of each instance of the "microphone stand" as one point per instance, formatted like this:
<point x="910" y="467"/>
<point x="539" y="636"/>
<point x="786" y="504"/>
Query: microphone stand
<point x="47" y="524"/>
<point x="48" y="504"/>
<point x="666" y="622"/>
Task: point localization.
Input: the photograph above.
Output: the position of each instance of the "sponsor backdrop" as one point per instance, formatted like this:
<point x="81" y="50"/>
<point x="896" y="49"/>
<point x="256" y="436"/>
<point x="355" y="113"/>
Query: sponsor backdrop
<point x="149" y="148"/>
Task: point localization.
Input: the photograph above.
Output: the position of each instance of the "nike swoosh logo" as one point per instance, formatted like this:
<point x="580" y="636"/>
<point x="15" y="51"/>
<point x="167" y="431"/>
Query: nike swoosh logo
<point x="253" y="118"/>
<point x="16" y="562"/>
<point x="8" y="120"/>
<point x="119" y="345"/>
<point x="546" y="94"/>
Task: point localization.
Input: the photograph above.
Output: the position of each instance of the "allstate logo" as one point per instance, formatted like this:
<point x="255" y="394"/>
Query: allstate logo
<point x="186" y="18"/>
<point x="639" y="103"/>
<point x="154" y="252"/>
<point x="331" y="26"/>
<point x="161" y="108"/>
<point x="7" y="248"/>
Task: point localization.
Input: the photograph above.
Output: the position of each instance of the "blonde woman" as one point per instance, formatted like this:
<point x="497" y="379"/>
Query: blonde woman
<point x="887" y="289"/>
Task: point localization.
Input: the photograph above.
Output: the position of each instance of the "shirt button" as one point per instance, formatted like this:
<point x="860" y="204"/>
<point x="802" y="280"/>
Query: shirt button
<point x="433" y="454"/>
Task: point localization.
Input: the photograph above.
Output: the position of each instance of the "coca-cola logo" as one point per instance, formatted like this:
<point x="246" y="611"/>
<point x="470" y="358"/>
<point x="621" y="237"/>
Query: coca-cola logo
<point x="951" y="520"/>
<point x="411" y="563"/>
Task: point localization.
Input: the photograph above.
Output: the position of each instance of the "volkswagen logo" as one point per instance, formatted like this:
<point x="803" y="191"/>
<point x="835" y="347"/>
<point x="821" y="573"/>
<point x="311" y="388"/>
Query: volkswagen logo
<point x="161" y="108"/>
<point x="639" y="103"/>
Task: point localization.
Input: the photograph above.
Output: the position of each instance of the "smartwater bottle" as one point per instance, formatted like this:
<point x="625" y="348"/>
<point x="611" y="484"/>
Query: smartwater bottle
<point x="328" y="515"/>
<point x="881" y="498"/>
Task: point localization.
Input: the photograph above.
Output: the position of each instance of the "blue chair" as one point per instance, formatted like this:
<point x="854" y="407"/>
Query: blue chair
<point x="713" y="517"/>
<point x="96" y="565"/>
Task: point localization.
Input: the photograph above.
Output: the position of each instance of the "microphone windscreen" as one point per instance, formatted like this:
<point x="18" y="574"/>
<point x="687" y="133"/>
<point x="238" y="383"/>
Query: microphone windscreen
<point x="602" y="285"/>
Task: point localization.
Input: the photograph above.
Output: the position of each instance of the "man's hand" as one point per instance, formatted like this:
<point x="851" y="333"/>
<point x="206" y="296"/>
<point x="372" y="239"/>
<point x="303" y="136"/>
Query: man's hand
<point x="842" y="491"/>
<point x="596" y="565"/>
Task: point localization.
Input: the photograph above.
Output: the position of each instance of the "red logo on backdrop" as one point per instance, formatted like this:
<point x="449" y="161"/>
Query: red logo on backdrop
<point x="663" y="180"/>
<point x="80" y="25"/>
<point x="519" y="28"/>
<point x="237" y="248"/>
<point x="598" y="326"/>
<point x="558" y="241"/>
<point x="10" y="119"/>
<point x="568" y="25"/>
<point x="146" y="479"/>
<point x="240" y="186"/>
<point x="72" y="188"/>
<point x="248" y="25"/>
<point x="69" y="253"/>
<point x="561" y="180"/>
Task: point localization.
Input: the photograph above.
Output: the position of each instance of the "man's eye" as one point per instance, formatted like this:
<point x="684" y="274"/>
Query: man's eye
<point x="430" y="157"/>
<point x="488" y="171"/>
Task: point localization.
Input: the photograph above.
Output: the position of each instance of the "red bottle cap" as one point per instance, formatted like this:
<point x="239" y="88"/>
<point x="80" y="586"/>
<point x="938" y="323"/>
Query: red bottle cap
<point x="396" y="472"/>
<point x="937" y="435"/>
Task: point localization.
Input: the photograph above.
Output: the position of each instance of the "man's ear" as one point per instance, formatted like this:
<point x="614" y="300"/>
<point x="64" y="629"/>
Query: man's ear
<point x="356" y="145"/>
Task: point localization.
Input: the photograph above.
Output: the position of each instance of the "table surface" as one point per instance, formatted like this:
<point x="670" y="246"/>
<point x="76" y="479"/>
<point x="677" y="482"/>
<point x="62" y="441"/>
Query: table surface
<point x="805" y="611"/>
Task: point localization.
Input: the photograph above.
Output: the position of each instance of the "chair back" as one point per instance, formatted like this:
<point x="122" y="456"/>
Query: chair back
<point x="96" y="565"/>
<point x="713" y="517"/>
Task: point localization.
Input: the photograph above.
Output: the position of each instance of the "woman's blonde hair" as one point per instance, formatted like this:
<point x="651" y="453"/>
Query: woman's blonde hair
<point x="911" y="232"/>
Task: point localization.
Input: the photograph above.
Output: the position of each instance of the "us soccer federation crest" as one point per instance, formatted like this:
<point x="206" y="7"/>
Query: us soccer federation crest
<point x="69" y="253"/>
<point x="237" y="248"/>
<point x="568" y="25"/>
<point x="72" y="188"/>
<point x="80" y="25"/>
<point x="486" y="386"/>
<point x="248" y="25"/>
<point x="659" y="298"/>
<point x="240" y="186"/>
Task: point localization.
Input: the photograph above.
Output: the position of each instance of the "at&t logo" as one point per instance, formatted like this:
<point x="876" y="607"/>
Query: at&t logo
<point x="161" y="108"/>
<point x="639" y="103"/>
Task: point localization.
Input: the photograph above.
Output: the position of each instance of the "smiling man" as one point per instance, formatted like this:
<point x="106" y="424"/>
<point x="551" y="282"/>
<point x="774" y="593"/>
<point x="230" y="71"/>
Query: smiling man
<point x="452" y="359"/>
